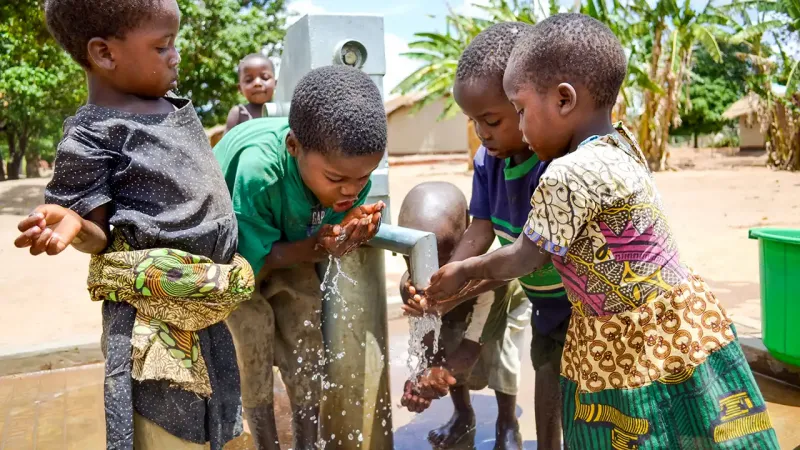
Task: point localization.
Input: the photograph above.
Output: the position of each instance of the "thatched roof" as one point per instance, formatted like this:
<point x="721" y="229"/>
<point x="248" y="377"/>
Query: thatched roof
<point x="748" y="104"/>
<point x="744" y="106"/>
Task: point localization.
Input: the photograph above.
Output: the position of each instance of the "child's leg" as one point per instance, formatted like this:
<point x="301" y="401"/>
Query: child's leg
<point x="297" y="301"/>
<point x="503" y="373"/>
<point x="463" y="419"/>
<point x="546" y="354"/>
<point x="149" y="436"/>
<point x="252" y="325"/>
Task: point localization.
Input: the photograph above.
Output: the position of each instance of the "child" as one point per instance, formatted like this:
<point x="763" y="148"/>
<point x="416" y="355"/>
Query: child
<point x="257" y="84"/>
<point x="506" y="174"/>
<point x="651" y="359"/>
<point x="482" y="338"/>
<point x="292" y="183"/>
<point x="138" y="161"/>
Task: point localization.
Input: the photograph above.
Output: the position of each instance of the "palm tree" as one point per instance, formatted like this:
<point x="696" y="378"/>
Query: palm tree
<point x="779" y="115"/>
<point x="440" y="53"/>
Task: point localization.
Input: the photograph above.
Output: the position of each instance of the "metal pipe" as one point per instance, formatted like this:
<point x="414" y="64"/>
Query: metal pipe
<point x="419" y="246"/>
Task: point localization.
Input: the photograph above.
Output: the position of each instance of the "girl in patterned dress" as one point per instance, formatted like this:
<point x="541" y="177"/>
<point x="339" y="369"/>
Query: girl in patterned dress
<point x="651" y="359"/>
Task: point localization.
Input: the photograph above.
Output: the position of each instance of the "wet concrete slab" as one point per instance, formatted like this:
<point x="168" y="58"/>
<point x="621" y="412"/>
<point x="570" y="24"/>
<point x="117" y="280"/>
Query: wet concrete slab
<point x="63" y="409"/>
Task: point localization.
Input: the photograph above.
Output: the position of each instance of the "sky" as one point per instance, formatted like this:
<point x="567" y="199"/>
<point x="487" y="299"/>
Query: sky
<point x="401" y="21"/>
<point x="403" y="18"/>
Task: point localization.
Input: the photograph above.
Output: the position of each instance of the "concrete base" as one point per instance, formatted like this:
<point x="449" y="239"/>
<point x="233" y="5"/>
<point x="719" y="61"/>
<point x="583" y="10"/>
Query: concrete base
<point x="51" y="359"/>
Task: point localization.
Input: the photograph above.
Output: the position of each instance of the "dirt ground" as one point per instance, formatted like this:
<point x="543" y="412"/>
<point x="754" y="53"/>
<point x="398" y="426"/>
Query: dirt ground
<point x="712" y="202"/>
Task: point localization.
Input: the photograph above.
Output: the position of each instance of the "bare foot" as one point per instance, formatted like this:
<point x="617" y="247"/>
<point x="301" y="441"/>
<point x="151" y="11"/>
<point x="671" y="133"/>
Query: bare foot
<point x="507" y="436"/>
<point x="449" y="434"/>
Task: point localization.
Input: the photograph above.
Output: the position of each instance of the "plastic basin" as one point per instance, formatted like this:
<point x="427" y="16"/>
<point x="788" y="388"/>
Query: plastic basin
<point x="779" y="260"/>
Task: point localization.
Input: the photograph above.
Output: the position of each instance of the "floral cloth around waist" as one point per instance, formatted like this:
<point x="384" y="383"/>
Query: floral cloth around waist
<point x="175" y="294"/>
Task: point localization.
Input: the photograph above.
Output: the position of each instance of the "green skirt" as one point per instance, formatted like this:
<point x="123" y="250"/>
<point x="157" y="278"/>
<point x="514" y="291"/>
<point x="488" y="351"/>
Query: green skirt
<point x="717" y="406"/>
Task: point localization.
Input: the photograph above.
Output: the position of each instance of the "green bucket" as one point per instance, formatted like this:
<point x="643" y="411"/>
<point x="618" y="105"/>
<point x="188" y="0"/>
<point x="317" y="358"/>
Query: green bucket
<point x="779" y="258"/>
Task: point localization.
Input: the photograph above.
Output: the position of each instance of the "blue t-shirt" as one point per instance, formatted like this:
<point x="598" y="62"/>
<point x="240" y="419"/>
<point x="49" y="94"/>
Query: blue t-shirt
<point x="502" y="194"/>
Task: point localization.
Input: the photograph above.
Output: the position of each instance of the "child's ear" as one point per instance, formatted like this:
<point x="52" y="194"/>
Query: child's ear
<point x="567" y="98"/>
<point x="99" y="52"/>
<point x="292" y="144"/>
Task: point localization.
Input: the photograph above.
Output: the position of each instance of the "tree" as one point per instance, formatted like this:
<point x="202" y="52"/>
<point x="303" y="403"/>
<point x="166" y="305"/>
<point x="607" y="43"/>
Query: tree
<point x="765" y="32"/>
<point x="39" y="84"/>
<point x="215" y="35"/>
<point x="713" y="89"/>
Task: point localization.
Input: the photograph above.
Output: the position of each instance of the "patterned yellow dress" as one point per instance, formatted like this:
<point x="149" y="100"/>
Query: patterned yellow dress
<point x="651" y="359"/>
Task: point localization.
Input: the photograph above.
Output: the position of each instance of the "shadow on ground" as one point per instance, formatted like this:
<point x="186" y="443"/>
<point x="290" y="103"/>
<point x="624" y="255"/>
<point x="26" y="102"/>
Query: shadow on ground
<point x="20" y="200"/>
<point x="414" y="436"/>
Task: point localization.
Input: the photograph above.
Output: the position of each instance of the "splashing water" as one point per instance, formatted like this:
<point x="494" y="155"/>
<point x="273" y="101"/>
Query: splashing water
<point x="419" y="327"/>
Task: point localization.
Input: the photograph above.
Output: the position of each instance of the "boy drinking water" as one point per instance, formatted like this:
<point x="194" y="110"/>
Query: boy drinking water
<point x="298" y="190"/>
<point x="506" y="175"/>
<point x="481" y="339"/>
<point x="651" y="358"/>
<point x="257" y="84"/>
<point x="137" y="160"/>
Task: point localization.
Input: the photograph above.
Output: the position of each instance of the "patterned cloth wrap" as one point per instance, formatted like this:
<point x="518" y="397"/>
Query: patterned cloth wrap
<point x="175" y="294"/>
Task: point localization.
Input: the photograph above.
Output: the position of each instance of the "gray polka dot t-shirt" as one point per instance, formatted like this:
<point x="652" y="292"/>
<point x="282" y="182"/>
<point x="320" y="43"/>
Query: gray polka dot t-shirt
<point x="158" y="173"/>
<point x="164" y="188"/>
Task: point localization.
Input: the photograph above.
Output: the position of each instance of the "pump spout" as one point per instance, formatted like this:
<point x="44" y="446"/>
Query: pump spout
<point x="419" y="246"/>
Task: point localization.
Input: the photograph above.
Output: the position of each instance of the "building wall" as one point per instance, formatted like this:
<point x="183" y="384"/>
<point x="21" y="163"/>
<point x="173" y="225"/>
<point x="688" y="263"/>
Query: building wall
<point x="750" y="136"/>
<point x="421" y="133"/>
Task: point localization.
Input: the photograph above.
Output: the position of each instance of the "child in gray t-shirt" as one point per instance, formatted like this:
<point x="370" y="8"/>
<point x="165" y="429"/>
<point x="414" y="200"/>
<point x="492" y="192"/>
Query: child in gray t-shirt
<point x="139" y="161"/>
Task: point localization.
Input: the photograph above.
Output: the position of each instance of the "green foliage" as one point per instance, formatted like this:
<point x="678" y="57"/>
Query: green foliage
<point x="215" y="35"/>
<point x="440" y="52"/>
<point x="40" y="85"/>
<point x="714" y="87"/>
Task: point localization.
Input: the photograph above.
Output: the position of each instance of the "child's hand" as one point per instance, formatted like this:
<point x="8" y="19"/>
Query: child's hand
<point x="447" y="282"/>
<point x="358" y="226"/>
<point x="412" y="300"/>
<point x="49" y="228"/>
<point x="435" y="383"/>
<point x="412" y="400"/>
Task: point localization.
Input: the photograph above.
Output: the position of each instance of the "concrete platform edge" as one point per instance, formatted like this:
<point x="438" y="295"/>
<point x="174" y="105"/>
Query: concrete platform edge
<point x="50" y="359"/>
<point x="762" y="362"/>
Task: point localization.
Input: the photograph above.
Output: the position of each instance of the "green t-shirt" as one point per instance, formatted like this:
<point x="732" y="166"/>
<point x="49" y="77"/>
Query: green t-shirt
<point x="270" y="200"/>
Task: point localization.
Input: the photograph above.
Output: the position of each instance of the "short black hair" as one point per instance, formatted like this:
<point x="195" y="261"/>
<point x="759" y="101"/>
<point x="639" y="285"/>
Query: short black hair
<point x="74" y="22"/>
<point x="486" y="57"/>
<point x="338" y="109"/>
<point x="573" y="48"/>
<point x="251" y="57"/>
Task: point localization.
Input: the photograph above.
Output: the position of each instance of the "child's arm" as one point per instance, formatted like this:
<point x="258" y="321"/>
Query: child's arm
<point x="288" y="254"/>
<point x="233" y="118"/>
<point x="509" y="262"/>
<point x="52" y="228"/>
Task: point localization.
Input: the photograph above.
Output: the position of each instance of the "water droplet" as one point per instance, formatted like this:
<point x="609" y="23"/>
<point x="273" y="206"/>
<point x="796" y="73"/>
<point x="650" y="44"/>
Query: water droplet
<point x="299" y="359"/>
<point x="307" y="323"/>
<point x="383" y="422"/>
<point x="350" y="436"/>
<point x="344" y="413"/>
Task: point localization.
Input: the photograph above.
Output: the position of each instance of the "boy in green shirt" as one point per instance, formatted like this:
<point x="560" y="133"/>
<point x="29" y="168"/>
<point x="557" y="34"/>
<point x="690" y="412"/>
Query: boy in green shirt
<point x="298" y="190"/>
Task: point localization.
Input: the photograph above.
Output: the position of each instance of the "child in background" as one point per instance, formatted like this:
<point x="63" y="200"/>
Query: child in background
<point x="481" y="339"/>
<point x="297" y="186"/>
<point x="506" y="175"/>
<point x="651" y="358"/>
<point x="257" y="84"/>
<point x="139" y="161"/>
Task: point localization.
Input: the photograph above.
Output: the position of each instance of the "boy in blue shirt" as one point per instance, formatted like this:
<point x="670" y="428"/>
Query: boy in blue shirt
<point x="506" y="174"/>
